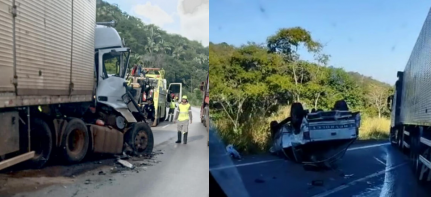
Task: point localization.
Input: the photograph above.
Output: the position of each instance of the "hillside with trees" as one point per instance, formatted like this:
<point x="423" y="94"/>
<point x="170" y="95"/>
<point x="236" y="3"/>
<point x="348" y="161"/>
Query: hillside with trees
<point x="184" y="60"/>
<point x="254" y="83"/>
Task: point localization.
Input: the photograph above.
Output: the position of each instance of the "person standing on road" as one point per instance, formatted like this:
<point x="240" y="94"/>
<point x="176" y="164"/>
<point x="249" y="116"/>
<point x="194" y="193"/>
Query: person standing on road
<point x="172" y="106"/>
<point x="183" y="115"/>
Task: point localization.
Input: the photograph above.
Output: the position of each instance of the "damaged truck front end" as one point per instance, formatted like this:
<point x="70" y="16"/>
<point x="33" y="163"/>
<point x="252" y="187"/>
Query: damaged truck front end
<point x="316" y="138"/>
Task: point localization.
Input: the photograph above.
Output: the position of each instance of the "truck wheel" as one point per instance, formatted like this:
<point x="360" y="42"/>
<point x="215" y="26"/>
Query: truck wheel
<point x="341" y="105"/>
<point x="140" y="138"/>
<point x="75" y="141"/>
<point x="297" y="113"/>
<point x="41" y="143"/>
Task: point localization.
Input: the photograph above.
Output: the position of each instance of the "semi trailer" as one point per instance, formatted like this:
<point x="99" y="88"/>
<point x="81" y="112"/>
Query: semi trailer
<point x="62" y="85"/>
<point x="410" y="106"/>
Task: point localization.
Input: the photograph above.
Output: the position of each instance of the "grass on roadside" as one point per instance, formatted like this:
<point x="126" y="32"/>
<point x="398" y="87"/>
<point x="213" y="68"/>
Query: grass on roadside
<point x="254" y="135"/>
<point x="374" y="129"/>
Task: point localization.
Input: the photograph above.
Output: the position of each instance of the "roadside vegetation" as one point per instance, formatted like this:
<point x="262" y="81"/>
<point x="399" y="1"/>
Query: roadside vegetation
<point x="254" y="84"/>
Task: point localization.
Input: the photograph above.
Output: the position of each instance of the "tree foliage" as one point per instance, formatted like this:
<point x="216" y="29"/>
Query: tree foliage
<point x="250" y="82"/>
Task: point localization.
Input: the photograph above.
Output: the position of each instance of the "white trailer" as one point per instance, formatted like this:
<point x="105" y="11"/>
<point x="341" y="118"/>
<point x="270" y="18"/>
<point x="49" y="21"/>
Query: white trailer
<point x="411" y="106"/>
<point x="55" y="92"/>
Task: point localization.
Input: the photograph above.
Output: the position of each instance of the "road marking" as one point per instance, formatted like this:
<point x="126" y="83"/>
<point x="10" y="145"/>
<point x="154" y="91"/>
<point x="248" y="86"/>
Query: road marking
<point x="369" y="146"/>
<point x="380" y="161"/>
<point x="337" y="189"/>
<point x="260" y="162"/>
<point x="246" y="164"/>
<point x="165" y="126"/>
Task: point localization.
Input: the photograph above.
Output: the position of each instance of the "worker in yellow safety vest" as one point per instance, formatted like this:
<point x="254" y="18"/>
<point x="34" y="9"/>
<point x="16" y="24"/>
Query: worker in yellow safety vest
<point x="183" y="115"/>
<point x="172" y="106"/>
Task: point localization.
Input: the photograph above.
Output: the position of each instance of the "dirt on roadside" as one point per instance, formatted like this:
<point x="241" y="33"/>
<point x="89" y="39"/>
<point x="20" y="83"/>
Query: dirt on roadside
<point x="18" y="180"/>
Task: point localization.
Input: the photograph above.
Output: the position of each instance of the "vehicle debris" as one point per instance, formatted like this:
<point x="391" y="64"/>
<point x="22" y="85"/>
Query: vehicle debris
<point x="125" y="163"/>
<point x="348" y="175"/>
<point x="232" y="152"/>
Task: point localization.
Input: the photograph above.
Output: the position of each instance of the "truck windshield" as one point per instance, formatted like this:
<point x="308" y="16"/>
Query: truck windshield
<point x="115" y="64"/>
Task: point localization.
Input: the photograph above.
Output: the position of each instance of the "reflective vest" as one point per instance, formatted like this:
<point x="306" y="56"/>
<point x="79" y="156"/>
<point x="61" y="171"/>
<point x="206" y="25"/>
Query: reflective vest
<point x="172" y="106"/>
<point x="184" y="112"/>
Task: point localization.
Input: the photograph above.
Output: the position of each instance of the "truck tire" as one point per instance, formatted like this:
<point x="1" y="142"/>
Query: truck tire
<point x="41" y="143"/>
<point x="74" y="141"/>
<point x="341" y="105"/>
<point x="140" y="138"/>
<point x="297" y="113"/>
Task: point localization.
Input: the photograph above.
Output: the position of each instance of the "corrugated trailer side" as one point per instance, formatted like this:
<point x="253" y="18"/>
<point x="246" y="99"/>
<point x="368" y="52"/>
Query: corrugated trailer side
<point x="54" y="51"/>
<point x="84" y="20"/>
<point x="6" y="47"/>
<point x="416" y="95"/>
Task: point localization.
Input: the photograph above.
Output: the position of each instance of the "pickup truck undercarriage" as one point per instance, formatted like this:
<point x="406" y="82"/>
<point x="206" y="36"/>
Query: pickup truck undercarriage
<point x="318" y="138"/>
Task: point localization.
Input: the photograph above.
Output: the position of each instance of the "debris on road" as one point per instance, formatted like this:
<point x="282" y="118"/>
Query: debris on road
<point x="124" y="156"/>
<point x="348" y="175"/>
<point x="88" y="181"/>
<point x="102" y="173"/>
<point x="232" y="152"/>
<point x="125" y="163"/>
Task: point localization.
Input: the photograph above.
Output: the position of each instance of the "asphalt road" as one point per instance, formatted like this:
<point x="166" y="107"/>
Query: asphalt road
<point x="182" y="170"/>
<point x="365" y="171"/>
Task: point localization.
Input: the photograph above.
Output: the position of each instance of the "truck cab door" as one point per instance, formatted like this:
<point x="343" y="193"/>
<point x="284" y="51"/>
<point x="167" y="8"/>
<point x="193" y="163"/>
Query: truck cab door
<point x="177" y="89"/>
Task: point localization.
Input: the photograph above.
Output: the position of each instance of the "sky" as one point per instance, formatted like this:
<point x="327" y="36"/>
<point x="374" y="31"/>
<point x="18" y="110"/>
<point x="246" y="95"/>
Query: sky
<point x="189" y="18"/>
<point x="371" y="37"/>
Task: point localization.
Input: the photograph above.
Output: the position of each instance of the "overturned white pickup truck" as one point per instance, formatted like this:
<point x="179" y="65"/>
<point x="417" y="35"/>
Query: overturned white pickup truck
<point x="316" y="138"/>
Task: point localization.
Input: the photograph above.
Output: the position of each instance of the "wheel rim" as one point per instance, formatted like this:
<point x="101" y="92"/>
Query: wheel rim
<point x="76" y="141"/>
<point x="141" y="141"/>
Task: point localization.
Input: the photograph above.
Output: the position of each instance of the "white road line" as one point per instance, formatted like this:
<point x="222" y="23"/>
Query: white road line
<point x="166" y="126"/>
<point x="337" y="189"/>
<point x="260" y="162"/>
<point x="369" y="146"/>
<point x="380" y="161"/>
<point x="245" y="164"/>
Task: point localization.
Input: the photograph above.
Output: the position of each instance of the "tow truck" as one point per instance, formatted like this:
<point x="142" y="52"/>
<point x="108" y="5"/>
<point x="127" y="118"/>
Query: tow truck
<point x="151" y="84"/>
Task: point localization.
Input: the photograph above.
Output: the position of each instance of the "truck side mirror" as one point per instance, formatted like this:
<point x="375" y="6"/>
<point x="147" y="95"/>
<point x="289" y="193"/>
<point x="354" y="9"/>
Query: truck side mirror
<point x="389" y="102"/>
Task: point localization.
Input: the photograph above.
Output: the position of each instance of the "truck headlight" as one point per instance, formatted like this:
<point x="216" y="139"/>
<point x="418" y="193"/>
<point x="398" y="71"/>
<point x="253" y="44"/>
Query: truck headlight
<point x="125" y="98"/>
